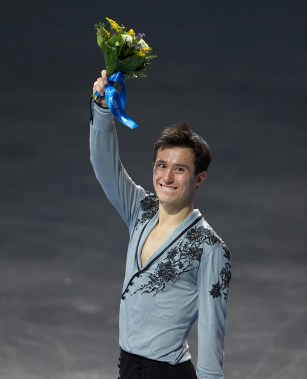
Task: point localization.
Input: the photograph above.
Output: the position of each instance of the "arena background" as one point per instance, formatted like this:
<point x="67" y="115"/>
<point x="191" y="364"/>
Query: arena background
<point x="236" y="72"/>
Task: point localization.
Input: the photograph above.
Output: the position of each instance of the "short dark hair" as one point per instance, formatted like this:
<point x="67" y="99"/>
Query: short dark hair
<point x="181" y="135"/>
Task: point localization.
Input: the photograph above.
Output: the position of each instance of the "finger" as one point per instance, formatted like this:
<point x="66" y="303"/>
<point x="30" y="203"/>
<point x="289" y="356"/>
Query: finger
<point x="101" y="83"/>
<point x="98" y="87"/>
<point x="104" y="76"/>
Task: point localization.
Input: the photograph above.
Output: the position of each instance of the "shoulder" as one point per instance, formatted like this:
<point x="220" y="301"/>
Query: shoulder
<point x="212" y="243"/>
<point x="148" y="207"/>
<point x="215" y="264"/>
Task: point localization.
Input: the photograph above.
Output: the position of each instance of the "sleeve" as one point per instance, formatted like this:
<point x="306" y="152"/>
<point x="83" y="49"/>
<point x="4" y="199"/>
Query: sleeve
<point x="119" y="188"/>
<point x="213" y="285"/>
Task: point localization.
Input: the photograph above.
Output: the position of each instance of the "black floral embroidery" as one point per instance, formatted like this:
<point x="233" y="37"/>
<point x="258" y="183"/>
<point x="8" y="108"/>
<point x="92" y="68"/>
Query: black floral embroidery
<point x="227" y="253"/>
<point x="182" y="258"/>
<point x="216" y="290"/>
<point x="149" y="206"/>
<point x="221" y="288"/>
<point x="202" y="234"/>
<point x="209" y="236"/>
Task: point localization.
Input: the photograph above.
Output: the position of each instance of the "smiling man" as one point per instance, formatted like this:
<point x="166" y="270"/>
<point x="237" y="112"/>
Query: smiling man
<point x="178" y="269"/>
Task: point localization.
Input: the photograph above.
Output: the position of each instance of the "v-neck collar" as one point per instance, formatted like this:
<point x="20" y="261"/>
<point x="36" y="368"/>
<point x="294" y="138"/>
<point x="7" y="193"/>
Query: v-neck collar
<point x="147" y="229"/>
<point x="188" y="223"/>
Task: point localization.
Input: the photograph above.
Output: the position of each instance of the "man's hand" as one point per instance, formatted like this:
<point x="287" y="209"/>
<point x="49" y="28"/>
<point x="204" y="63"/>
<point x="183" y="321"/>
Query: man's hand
<point x="98" y="87"/>
<point x="100" y="83"/>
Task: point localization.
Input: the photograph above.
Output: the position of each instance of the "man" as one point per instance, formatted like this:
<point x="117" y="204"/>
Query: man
<point x="177" y="268"/>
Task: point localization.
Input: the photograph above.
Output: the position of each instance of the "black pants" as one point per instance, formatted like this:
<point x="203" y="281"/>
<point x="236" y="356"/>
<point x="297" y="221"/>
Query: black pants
<point x="135" y="367"/>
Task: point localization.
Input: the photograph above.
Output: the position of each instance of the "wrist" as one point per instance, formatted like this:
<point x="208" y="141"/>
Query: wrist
<point x="100" y="101"/>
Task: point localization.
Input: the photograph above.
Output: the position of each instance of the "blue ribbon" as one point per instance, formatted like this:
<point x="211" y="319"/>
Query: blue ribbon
<point x="116" y="102"/>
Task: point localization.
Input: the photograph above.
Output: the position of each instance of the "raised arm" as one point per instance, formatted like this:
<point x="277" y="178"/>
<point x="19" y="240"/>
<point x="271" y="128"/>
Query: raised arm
<point x="119" y="188"/>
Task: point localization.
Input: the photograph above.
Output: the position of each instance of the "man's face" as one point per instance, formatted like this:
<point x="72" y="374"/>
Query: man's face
<point x="174" y="177"/>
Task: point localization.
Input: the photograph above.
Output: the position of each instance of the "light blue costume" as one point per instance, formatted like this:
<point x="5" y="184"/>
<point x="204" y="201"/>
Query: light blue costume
<point x="185" y="280"/>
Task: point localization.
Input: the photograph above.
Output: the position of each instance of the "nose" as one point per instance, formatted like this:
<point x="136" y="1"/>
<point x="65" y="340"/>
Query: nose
<point x="168" y="176"/>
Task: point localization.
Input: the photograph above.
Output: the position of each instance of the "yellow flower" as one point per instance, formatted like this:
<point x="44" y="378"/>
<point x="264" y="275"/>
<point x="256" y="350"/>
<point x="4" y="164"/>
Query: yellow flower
<point x="141" y="54"/>
<point x="114" y="25"/>
<point x="105" y="33"/>
<point x="131" y="32"/>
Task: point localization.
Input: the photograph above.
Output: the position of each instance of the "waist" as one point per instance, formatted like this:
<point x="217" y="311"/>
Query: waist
<point x="135" y="366"/>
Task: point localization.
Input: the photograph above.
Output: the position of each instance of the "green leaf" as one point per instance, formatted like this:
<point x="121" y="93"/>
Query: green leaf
<point x="99" y="39"/>
<point x="130" y="64"/>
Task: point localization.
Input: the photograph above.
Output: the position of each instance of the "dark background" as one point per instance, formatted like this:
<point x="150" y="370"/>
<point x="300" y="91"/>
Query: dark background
<point x="236" y="71"/>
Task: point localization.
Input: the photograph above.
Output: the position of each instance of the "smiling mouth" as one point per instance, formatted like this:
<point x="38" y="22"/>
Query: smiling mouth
<point x="167" y="188"/>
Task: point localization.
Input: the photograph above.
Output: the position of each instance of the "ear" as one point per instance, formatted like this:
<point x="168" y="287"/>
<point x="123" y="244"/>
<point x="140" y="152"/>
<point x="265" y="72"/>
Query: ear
<point x="200" y="178"/>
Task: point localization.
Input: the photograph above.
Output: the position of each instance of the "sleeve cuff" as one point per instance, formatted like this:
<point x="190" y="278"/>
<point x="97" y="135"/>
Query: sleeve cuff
<point x="103" y="119"/>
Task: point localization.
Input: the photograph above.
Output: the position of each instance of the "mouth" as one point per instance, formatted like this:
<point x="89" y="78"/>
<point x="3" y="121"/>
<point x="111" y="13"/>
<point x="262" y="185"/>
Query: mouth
<point x="167" y="188"/>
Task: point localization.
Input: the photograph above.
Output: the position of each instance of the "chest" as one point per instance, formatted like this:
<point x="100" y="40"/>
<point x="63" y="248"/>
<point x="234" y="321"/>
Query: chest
<point x="153" y="242"/>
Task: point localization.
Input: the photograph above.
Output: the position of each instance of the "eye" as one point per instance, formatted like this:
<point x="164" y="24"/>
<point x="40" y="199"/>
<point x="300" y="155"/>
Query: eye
<point x="179" y="169"/>
<point x="160" y="165"/>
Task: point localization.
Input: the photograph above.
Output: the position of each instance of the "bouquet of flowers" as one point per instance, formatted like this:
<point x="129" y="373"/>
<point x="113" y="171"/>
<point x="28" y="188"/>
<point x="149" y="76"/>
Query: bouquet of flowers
<point x="126" y="55"/>
<point x="123" y="50"/>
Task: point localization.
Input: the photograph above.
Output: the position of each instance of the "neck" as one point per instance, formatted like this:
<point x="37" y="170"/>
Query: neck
<point x="173" y="217"/>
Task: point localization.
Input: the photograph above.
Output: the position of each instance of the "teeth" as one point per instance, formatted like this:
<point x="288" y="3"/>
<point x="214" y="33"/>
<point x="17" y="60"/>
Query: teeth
<point x="168" y="188"/>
